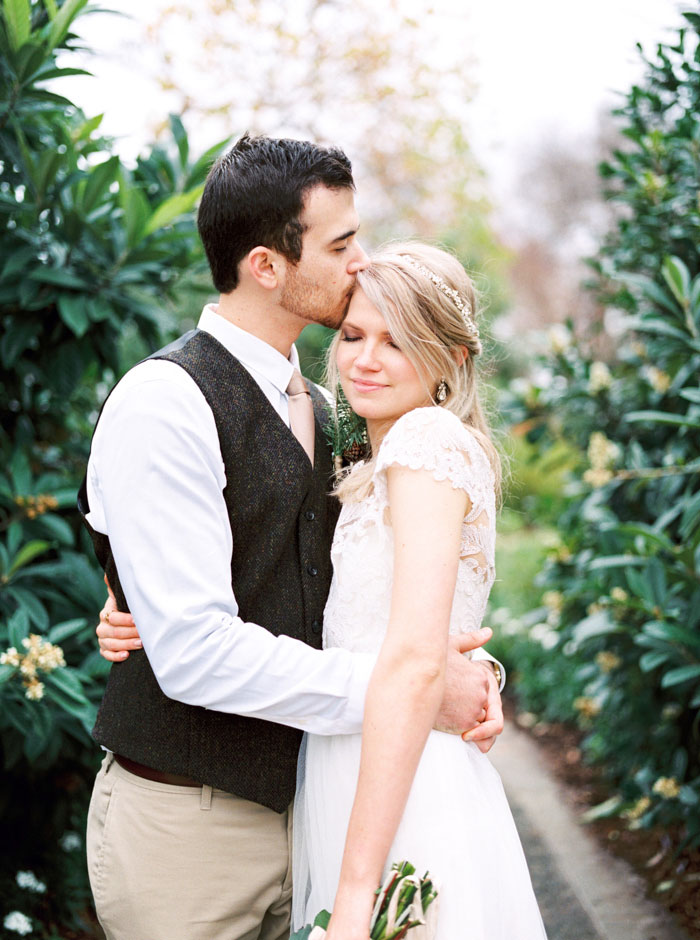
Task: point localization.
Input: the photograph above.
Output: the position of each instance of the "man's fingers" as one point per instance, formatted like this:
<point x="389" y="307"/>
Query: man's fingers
<point x="464" y="642"/>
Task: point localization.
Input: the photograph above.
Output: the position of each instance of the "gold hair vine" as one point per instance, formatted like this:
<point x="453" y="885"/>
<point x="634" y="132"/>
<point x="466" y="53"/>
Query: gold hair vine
<point x="456" y="298"/>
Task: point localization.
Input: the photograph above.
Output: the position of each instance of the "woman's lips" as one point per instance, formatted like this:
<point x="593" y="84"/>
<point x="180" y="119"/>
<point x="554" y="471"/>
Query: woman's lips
<point x="364" y="386"/>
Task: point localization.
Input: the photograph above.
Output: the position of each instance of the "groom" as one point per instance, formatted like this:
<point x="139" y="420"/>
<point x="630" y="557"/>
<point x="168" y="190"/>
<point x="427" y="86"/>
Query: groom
<point x="207" y="501"/>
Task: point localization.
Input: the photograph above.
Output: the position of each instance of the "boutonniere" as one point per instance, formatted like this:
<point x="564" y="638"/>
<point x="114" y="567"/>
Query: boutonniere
<point x="346" y="432"/>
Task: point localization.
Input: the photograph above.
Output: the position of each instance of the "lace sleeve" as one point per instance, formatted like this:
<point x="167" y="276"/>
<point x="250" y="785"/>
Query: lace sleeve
<point x="434" y="439"/>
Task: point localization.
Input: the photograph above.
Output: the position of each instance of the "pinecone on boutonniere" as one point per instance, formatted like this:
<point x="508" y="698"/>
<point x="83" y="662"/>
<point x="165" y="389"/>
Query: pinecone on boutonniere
<point x="346" y="432"/>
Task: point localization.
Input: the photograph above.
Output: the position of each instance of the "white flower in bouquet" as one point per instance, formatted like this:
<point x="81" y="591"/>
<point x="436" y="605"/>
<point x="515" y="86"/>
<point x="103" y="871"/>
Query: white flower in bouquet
<point x="402" y="902"/>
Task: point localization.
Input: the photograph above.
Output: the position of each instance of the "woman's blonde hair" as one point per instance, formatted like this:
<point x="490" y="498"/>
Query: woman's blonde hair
<point x="419" y="290"/>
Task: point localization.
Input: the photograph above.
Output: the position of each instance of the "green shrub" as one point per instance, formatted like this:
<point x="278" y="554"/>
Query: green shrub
<point x="624" y="587"/>
<point x="91" y="254"/>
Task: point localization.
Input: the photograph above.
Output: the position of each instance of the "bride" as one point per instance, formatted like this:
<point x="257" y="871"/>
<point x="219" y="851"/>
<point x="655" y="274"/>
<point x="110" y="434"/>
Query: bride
<point x="413" y="561"/>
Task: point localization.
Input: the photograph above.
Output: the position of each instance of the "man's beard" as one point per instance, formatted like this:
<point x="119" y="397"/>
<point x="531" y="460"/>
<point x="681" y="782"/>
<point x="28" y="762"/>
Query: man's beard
<point x="305" y="299"/>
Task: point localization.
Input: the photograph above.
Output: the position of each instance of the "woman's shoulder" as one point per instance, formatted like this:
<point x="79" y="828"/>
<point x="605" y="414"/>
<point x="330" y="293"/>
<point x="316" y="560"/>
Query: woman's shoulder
<point x="420" y="436"/>
<point x="434" y="426"/>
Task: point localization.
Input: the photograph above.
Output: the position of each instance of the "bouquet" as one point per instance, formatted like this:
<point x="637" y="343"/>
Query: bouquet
<point x="401" y="904"/>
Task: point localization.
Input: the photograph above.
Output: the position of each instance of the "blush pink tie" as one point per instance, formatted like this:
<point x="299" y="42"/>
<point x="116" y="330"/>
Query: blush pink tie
<point x="301" y="413"/>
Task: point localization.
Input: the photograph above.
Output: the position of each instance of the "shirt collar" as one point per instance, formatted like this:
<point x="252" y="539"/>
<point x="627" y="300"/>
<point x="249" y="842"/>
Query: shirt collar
<point x="254" y="353"/>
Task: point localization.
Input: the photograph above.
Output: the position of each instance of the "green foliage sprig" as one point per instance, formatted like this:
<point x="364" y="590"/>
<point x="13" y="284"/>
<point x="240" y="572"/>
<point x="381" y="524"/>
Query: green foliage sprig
<point x="346" y="432"/>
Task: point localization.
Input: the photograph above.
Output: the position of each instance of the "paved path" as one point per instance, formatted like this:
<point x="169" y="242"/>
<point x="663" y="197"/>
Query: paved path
<point x="584" y="892"/>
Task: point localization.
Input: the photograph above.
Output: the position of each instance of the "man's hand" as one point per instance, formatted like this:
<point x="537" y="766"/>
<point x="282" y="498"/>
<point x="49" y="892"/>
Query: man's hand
<point x="116" y="631"/>
<point x="471" y="705"/>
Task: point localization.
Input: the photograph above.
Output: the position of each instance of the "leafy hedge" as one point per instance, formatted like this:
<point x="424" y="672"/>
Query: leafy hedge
<point x="91" y="252"/>
<point x="617" y="639"/>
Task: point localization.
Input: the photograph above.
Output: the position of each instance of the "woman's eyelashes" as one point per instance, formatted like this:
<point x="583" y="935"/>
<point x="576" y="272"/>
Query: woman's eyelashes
<point x="352" y="338"/>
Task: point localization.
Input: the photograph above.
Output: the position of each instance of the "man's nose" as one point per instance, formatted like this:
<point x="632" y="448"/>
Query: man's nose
<point x="359" y="261"/>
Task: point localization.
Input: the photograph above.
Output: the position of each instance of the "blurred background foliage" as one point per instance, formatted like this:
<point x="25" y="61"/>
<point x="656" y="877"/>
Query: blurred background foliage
<point x="92" y="256"/>
<point x="597" y="606"/>
<point x="609" y="429"/>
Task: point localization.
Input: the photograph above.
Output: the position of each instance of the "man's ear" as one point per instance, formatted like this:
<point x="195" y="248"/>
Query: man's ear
<point x="265" y="266"/>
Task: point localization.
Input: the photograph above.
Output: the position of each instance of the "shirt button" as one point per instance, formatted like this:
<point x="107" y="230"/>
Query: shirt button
<point x="316" y="626"/>
<point x="312" y="571"/>
<point x="310" y="515"/>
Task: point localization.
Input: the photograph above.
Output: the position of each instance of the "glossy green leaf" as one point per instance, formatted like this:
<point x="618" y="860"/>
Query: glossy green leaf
<point x="60" y="24"/>
<point x="28" y="552"/>
<point x="63" y="631"/>
<point x="31" y="605"/>
<point x="18" y="21"/>
<point x="663" y="417"/>
<point x="47" y="275"/>
<point x="171" y="209"/>
<point x="17" y="629"/>
<point x="680" y="675"/>
<point x="74" y="312"/>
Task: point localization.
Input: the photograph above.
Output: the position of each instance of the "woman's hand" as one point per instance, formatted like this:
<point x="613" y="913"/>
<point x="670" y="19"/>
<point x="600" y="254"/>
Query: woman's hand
<point x="352" y="912"/>
<point x="116" y="631"/>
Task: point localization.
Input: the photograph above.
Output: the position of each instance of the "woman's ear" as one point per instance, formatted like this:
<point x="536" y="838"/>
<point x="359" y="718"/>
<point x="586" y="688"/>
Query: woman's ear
<point x="264" y="266"/>
<point x="460" y="354"/>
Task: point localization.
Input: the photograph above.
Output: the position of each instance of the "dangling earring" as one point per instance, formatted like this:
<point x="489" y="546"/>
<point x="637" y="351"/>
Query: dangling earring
<point x="442" y="391"/>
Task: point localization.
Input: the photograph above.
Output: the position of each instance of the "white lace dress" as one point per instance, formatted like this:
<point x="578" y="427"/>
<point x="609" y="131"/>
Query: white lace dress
<point x="457" y="823"/>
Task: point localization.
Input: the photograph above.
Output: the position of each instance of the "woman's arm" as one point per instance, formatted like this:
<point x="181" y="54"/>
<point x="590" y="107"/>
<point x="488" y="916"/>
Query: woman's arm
<point x="407" y="683"/>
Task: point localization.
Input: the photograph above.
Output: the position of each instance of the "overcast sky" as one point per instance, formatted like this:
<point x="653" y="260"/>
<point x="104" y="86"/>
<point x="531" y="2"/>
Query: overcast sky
<point x="542" y="67"/>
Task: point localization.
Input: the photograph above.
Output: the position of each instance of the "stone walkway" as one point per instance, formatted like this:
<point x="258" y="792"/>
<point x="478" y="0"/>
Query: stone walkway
<point x="584" y="893"/>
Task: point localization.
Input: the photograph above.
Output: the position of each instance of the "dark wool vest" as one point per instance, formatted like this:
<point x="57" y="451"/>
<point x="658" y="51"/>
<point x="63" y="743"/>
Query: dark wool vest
<point x="282" y="523"/>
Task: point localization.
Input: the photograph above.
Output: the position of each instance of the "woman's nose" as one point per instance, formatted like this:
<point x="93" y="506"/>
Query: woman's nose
<point x="367" y="358"/>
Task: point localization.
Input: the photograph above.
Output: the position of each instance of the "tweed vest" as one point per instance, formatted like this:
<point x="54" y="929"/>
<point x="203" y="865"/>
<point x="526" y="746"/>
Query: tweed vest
<point x="282" y="522"/>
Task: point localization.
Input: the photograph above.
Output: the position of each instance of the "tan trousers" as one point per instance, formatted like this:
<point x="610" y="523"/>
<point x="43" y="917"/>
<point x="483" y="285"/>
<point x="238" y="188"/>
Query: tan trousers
<point x="186" y="863"/>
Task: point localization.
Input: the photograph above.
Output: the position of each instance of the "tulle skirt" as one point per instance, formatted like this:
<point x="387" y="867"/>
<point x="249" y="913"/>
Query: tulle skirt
<point x="457" y="824"/>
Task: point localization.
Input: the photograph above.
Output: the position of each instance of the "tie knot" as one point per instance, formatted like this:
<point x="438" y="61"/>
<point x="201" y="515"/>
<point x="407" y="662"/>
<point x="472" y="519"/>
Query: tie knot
<point x="297" y="386"/>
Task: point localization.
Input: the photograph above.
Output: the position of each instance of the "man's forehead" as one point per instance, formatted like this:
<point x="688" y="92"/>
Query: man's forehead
<point x="332" y="210"/>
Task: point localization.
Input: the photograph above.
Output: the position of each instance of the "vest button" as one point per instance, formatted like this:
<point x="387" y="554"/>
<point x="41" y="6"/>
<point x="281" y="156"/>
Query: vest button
<point x="316" y="626"/>
<point x="312" y="571"/>
<point x="310" y="515"/>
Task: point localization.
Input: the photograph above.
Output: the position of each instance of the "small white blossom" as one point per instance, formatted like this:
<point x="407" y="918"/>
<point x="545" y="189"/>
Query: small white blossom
<point x="543" y="634"/>
<point x="35" y="690"/>
<point x="18" y="922"/>
<point x="10" y="658"/>
<point x="70" y="841"/>
<point x="658" y="379"/>
<point x="29" y="881"/>
<point x="559" y="337"/>
<point x="599" y="378"/>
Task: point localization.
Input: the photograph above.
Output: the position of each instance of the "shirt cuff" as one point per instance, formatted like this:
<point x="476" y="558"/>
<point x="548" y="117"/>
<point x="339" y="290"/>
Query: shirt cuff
<point x="482" y="654"/>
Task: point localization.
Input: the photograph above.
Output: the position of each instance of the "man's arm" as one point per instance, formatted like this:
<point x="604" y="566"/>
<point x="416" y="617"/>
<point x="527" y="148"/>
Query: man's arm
<point x="156" y="483"/>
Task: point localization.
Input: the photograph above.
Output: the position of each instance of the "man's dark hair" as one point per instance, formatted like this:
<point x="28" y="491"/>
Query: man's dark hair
<point x="254" y="195"/>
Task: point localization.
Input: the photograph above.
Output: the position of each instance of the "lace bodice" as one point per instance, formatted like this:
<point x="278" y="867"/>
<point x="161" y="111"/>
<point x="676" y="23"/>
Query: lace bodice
<point x="357" y="610"/>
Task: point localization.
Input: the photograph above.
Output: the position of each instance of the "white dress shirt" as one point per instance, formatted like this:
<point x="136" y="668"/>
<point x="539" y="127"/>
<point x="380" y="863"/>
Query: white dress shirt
<point x="155" y="486"/>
